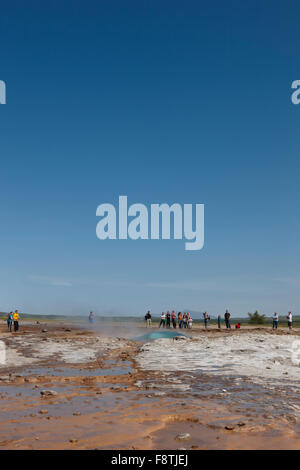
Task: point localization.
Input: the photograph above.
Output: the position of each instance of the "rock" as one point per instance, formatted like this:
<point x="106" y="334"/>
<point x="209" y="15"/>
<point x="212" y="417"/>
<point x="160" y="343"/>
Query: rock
<point x="183" y="436"/>
<point x="241" y="424"/>
<point x="48" y="393"/>
<point x="44" y="330"/>
<point x="43" y="412"/>
<point x="73" y="440"/>
<point x="76" y="413"/>
<point x="30" y="380"/>
<point x="138" y="383"/>
<point x="116" y="388"/>
<point x="229" y="427"/>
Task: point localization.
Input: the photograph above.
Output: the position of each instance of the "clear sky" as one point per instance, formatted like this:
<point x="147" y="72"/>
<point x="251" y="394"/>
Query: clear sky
<point x="163" y="101"/>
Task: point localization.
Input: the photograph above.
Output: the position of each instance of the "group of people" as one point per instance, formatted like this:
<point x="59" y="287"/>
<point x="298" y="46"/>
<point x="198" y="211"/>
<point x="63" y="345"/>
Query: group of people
<point x="276" y="320"/>
<point x="13" y="321"/>
<point x="184" y="320"/>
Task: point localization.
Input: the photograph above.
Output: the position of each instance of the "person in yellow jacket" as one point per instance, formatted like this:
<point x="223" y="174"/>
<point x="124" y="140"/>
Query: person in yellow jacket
<point x="16" y="320"/>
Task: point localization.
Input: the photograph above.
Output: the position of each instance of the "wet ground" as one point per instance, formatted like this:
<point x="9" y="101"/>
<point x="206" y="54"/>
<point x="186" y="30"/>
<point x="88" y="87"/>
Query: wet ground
<point x="105" y="393"/>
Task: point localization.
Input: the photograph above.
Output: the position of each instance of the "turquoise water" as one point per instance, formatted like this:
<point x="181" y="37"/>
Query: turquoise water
<point x="153" y="335"/>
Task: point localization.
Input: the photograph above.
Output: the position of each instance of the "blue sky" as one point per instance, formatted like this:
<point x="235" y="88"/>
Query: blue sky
<point x="163" y="102"/>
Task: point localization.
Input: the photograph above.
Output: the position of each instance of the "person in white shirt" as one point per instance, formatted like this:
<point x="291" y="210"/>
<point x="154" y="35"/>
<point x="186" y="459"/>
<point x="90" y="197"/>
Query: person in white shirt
<point x="275" y="321"/>
<point x="162" y="320"/>
<point x="290" y="319"/>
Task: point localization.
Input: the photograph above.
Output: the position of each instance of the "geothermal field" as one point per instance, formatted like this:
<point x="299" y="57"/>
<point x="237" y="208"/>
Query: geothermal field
<point x="66" y="386"/>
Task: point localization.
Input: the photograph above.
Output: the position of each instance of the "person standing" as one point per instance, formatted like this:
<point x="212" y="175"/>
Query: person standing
<point x="185" y="320"/>
<point x="190" y="322"/>
<point x="91" y="317"/>
<point x="290" y="320"/>
<point x="168" y="319"/>
<point x="275" y="321"/>
<point x="16" y="320"/>
<point x="148" y="319"/>
<point x="9" y="321"/>
<point x="173" y="319"/>
<point x="219" y="321"/>
<point x="227" y="319"/>
<point x="162" y="320"/>
<point x="180" y="320"/>
<point x="206" y="319"/>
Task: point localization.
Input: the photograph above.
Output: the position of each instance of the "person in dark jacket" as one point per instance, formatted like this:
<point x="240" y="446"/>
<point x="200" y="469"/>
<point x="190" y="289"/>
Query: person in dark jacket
<point x="168" y="319"/>
<point x="227" y="319"/>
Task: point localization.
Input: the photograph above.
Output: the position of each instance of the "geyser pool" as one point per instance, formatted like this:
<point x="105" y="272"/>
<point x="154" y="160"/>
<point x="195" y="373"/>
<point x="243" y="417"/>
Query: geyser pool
<point x="153" y="335"/>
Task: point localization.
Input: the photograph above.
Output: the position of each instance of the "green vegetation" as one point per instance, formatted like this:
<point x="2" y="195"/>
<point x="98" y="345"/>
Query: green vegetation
<point x="256" y="319"/>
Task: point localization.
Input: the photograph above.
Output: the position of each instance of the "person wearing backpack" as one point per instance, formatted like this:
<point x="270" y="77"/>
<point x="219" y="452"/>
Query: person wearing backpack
<point x="9" y="321"/>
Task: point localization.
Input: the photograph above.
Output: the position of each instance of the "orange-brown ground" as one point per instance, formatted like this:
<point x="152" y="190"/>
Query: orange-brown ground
<point x="109" y="403"/>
